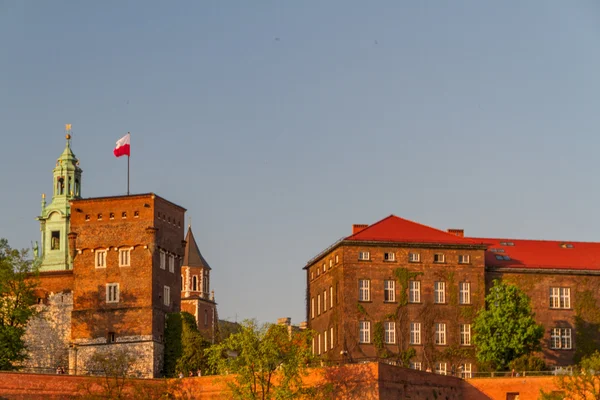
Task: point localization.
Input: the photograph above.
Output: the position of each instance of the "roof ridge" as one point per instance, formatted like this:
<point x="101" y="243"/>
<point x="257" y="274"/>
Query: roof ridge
<point x="505" y="239"/>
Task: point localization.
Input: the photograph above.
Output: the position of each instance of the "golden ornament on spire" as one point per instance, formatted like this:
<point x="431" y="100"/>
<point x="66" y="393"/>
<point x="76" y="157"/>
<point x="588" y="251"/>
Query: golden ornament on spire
<point x="68" y="129"/>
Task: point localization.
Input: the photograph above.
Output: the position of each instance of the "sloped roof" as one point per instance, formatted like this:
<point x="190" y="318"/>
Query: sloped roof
<point x="396" y="229"/>
<point x="541" y="254"/>
<point x="192" y="256"/>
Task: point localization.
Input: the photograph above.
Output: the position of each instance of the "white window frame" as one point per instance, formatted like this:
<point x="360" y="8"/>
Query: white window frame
<point x="389" y="329"/>
<point x="414" y="257"/>
<point x="389" y="291"/>
<point x="561" y="339"/>
<point x="331" y="337"/>
<point x="100" y="258"/>
<point x="171" y="263"/>
<point x="112" y="293"/>
<point x="441" y="368"/>
<point x="415" y="333"/>
<point x="560" y="297"/>
<point x="319" y="344"/>
<point x="464" y="259"/>
<point x="324" y="300"/>
<point x="439" y="292"/>
<point x="416" y="365"/>
<point x="163" y="259"/>
<point x="466" y="371"/>
<point x="330" y="297"/>
<point x="439" y="258"/>
<point x="364" y="331"/>
<point x="167" y="296"/>
<point x="414" y="291"/>
<point x="364" y="290"/>
<point x="440" y="333"/>
<point x="364" y="255"/>
<point x="389" y="256"/>
<point x="464" y="293"/>
<point x="319" y="304"/>
<point x="325" y="341"/>
<point x="465" y="334"/>
<point x="312" y="308"/>
<point x="124" y="257"/>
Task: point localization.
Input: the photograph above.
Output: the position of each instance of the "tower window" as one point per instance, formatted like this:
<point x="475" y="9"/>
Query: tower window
<point x="55" y="240"/>
<point x="194" y="283"/>
<point x="60" y="185"/>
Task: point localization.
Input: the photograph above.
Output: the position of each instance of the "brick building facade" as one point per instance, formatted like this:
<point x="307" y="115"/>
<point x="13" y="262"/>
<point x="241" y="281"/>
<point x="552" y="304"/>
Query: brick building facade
<point x="398" y="285"/>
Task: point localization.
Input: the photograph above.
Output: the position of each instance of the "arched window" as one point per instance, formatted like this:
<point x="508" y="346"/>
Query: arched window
<point x="194" y="283"/>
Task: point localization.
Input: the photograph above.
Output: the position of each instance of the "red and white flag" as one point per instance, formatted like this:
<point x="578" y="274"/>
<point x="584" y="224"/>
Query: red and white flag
<point x="122" y="148"/>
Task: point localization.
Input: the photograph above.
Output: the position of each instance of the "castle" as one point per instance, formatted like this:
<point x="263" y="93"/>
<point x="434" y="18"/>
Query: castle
<point x="111" y="269"/>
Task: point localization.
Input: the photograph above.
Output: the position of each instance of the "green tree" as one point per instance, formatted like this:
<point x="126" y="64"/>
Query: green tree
<point x="268" y="362"/>
<point x="184" y="346"/>
<point x="16" y="298"/>
<point x="583" y="383"/>
<point x="506" y="328"/>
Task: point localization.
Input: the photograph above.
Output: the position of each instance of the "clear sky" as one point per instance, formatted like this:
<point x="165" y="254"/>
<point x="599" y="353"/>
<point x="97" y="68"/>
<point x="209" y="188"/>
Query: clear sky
<point x="279" y="124"/>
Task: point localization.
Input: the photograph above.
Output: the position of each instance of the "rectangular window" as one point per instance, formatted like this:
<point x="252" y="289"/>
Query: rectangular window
<point x="389" y="328"/>
<point x="463" y="259"/>
<point x="389" y="256"/>
<point x="414" y="291"/>
<point x="465" y="334"/>
<point x="440" y="334"/>
<point x="415" y="333"/>
<point x="171" y="263"/>
<point x="441" y="368"/>
<point x="318" y="304"/>
<point x="330" y="296"/>
<point x="560" y="338"/>
<point x="389" y="290"/>
<point x="324" y="300"/>
<point x="466" y="370"/>
<point x="464" y="293"/>
<point x="312" y="308"/>
<point x="364" y="332"/>
<point x="319" y="344"/>
<point x="439" y="289"/>
<point x="416" y="365"/>
<point x="55" y="240"/>
<point x="325" y="342"/>
<point x="163" y="260"/>
<point x="439" y="258"/>
<point x="100" y="258"/>
<point x="111" y="337"/>
<point x="364" y="255"/>
<point x="560" y="297"/>
<point x="364" y="290"/>
<point x="167" y="296"/>
<point x="414" y="257"/>
<point x="331" y="337"/>
<point x="112" y="292"/>
<point x="124" y="257"/>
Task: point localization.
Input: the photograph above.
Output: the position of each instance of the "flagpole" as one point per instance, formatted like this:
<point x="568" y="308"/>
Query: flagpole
<point x="128" y="157"/>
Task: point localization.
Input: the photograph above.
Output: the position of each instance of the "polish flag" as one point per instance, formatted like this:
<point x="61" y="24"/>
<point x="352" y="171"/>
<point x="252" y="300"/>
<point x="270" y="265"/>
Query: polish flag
<point x="122" y="148"/>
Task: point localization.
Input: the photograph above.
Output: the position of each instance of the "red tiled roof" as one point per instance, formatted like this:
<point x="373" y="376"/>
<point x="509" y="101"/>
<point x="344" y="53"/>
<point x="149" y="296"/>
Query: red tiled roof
<point x="396" y="229"/>
<point x="542" y="254"/>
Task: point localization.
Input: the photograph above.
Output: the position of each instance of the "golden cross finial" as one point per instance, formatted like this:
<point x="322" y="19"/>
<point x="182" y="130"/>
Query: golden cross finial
<point x="68" y="130"/>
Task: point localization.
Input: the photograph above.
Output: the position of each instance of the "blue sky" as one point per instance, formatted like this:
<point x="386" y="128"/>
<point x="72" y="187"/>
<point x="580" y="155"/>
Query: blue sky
<point x="280" y="124"/>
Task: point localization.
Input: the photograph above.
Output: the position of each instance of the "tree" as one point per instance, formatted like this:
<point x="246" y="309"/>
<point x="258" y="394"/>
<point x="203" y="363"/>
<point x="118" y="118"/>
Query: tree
<point x="506" y="329"/>
<point x="184" y="346"/>
<point x="267" y="360"/>
<point x="16" y="299"/>
<point x="583" y="383"/>
<point x="114" y="365"/>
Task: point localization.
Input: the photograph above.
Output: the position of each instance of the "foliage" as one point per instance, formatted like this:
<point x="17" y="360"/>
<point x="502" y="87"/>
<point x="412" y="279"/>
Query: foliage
<point x="454" y="356"/>
<point x="268" y="363"/>
<point x="173" y="345"/>
<point x="583" y="383"/>
<point x="16" y="299"/>
<point x="184" y="346"/>
<point x="528" y="362"/>
<point x="226" y="329"/>
<point x="587" y="324"/>
<point x="378" y="333"/>
<point x="114" y="365"/>
<point x="404" y="276"/>
<point x="506" y="329"/>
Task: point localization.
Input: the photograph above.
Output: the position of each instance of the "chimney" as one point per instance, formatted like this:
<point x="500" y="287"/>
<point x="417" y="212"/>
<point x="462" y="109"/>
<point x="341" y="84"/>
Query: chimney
<point x="457" y="232"/>
<point x="284" y="321"/>
<point x="358" y="227"/>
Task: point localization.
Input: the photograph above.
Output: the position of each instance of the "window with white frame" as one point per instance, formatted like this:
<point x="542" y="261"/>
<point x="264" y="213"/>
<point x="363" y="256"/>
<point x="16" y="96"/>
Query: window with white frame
<point x="337" y="259"/>
<point x="389" y="290"/>
<point x="112" y="292"/>
<point x="325" y="342"/>
<point x="560" y="338"/>
<point x="463" y="259"/>
<point x="364" y="332"/>
<point x="415" y="333"/>
<point x="313" y="345"/>
<point x="330" y="263"/>
<point x="364" y="290"/>
<point x="414" y="257"/>
<point x="364" y="255"/>
<point x="464" y="293"/>
<point x="331" y="337"/>
<point x="389" y="256"/>
<point x="312" y="308"/>
<point x="441" y="368"/>
<point x="330" y="296"/>
<point x="324" y="300"/>
<point x="167" y="296"/>
<point x="416" y="365"/>
<point x="466" y="370"/>
<point x="319" y="344"/>
<point x="465" y="334"/>
<point x="560" y="297"/>
<point x="324" y="267"/>
<point x="389" y="328"/>
<point x="440" y="333"/>
<point x="100" y="258"/>
<point x="439" y="258"/>
<point x="171" y="263"/>
<point x="163" y="260"/>
<point x="319" y="304"/>
<point x="124" y="255"/>
<point x="414" y="291"/>
<point x="439" y="292"/>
